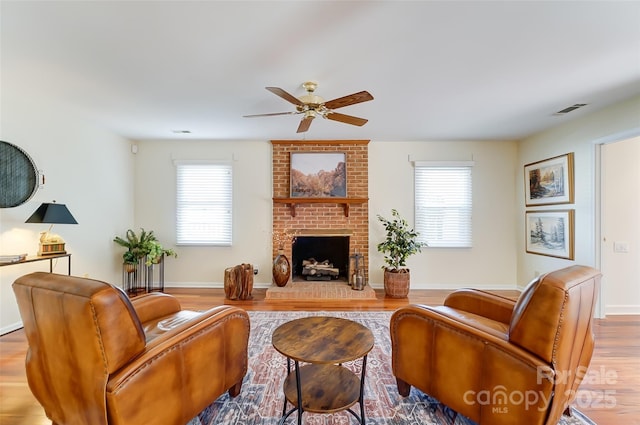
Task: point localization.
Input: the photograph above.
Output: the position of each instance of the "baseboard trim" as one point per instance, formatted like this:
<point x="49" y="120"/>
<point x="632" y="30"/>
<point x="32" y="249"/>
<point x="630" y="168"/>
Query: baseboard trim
<point x="619" y="310"/>
<point x="193" y="285"/>
<point x="266" y="285"/>
<point x="210" y="285"/>
<point x="10" y="328"/>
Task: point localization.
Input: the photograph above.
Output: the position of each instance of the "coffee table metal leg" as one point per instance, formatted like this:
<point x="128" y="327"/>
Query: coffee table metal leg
<point x="284" y="407"/>
<point x="299" y="389"/>
<point x="297" y="408"/>
<point x="364" y="371"/>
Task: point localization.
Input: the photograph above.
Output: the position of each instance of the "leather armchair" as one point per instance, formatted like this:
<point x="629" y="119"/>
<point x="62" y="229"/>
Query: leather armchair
<point x="499" y="361"/>
<point x="96" y="357"/>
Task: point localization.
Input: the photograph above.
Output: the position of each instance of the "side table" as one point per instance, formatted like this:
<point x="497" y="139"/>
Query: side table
<point x="323" y="384"/>
<point x="35" y="258"/>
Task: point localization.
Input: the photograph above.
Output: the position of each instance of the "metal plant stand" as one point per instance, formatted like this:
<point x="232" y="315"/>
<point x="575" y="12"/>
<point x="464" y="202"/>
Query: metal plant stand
<point x="141" y="278"/>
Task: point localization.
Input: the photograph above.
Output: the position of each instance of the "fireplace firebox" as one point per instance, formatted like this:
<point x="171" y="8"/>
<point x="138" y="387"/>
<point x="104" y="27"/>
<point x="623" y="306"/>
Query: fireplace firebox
<point x="329" y="253"/>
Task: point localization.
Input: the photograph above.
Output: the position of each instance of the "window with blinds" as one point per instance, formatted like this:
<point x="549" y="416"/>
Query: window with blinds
<point x="443" y="203"/>
<point x="204" y="203"/>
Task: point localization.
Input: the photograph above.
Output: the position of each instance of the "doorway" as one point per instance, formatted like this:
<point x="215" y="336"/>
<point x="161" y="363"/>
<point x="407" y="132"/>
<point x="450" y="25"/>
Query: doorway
<point x="619" y="239"/>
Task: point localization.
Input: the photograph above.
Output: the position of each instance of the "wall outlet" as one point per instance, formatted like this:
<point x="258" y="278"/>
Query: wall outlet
<point x="621" y="247"/>
<point x="255" y="270"/>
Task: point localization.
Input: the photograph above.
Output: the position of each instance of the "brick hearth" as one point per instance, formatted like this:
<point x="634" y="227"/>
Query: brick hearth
<point x="320" y="291"/>
<point x="326" y="217"/>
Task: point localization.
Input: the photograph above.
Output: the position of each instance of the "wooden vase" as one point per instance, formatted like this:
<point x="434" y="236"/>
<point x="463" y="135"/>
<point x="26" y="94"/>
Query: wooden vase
<point x="281" y="269"/>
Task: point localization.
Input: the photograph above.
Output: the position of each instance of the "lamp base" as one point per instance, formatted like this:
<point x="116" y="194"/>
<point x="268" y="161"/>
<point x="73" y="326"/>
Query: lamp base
<point x="51" y="248"/>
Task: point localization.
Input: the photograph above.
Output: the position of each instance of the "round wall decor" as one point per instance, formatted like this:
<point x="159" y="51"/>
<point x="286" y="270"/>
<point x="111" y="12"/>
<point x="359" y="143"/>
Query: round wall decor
<point x="19" y="176"/>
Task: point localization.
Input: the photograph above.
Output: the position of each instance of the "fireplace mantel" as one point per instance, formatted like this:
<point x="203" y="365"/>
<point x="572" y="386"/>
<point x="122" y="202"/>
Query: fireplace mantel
<point x="345" y="202"/>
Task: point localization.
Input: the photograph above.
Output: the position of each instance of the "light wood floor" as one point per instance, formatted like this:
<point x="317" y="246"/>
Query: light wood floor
<point x="610" y="394"/>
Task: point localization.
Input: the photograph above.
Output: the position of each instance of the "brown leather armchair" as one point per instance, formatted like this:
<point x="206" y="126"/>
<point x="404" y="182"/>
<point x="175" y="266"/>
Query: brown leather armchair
<point x="95" y="357"/>
<point x="499" y="361"/>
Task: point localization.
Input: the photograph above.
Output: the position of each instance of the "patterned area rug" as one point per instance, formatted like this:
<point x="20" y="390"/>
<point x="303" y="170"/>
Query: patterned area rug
<point x="261" y="400"/>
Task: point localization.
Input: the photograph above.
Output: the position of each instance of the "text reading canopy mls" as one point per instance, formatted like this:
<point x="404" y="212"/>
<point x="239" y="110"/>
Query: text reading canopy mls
<point x="18" y="176"/>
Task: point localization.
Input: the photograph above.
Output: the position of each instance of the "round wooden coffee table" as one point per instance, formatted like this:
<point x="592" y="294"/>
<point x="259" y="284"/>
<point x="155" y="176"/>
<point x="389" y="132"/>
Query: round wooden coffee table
<point x="322" y="384"/>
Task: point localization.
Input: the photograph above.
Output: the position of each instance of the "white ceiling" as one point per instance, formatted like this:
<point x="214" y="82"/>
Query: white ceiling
<point x="438" y="70"/>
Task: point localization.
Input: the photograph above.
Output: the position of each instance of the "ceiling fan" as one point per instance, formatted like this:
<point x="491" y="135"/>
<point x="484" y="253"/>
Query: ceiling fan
<point x="312" y="105"/>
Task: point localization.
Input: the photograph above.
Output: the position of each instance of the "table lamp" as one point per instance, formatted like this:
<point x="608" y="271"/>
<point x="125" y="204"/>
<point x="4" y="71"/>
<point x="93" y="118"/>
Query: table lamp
<point x="52" y="213"/>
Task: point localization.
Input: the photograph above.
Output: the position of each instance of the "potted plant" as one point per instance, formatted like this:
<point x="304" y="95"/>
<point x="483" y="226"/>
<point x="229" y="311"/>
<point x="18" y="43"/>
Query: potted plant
<point x="130" y="260"/>
<point x="134" y="253"/>
<point x="155" y="252"/>
<point x="400" y="243"/>
<point x="143" y="246"/>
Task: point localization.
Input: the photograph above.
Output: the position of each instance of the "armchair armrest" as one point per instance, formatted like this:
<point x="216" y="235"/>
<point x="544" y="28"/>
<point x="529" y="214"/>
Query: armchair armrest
<point x="486" y="304"/>
<point x="415" y="322"/>
<point x="154" y="305"/>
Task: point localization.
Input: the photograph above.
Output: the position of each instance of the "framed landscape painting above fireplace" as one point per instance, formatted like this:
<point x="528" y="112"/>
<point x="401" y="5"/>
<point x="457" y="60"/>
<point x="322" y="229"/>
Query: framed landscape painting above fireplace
<point x="318" y="175"/>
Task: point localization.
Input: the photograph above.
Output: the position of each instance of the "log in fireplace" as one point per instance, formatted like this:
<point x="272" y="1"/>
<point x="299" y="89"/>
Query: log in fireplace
<point x="325" y="258"/>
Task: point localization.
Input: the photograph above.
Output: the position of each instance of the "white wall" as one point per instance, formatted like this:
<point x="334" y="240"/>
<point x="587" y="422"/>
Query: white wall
<point x="155" y="208"/>
<point x="581" y="137"/>
<point x="86" y="168"/>
<point x="490" y="263"/>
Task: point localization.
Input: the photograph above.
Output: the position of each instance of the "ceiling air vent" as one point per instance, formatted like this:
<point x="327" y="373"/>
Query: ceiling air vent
<point x="570" y="108"/>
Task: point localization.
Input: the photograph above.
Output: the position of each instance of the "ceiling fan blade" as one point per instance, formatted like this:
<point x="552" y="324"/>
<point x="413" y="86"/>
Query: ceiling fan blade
<point x="305" y="124"/>
<point x="347" y="119"/>
<point x="352" y="99"/>
<point x="269" y="115"/>
<point x="286" y="96"/>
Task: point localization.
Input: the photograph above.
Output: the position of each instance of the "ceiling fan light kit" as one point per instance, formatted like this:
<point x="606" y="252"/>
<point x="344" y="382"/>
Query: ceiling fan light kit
<point x="312" y="105"/>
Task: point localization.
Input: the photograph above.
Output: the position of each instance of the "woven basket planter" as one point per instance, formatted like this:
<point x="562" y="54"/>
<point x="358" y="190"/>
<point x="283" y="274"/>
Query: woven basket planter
<point x="396" y="284"/>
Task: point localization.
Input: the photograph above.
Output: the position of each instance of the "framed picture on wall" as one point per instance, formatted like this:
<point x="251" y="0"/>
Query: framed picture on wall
<point x="318" y="175"/>
<point x="549" y="181"/>
<point x="550" y="233"/>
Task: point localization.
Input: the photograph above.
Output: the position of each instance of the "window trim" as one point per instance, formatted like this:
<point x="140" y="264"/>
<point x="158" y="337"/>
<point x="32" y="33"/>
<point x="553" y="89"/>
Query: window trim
<point x="228" y="165"/>
<point x="444" y="164"/>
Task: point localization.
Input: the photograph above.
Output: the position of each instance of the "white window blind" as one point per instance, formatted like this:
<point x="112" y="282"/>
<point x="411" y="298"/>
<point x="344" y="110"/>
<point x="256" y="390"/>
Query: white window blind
<point x="204" y="203"/>
<point x="443" y="203"/>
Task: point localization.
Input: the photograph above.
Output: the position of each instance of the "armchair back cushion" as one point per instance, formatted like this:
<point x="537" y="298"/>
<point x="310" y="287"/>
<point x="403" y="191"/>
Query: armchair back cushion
<point x="552" y="319"/>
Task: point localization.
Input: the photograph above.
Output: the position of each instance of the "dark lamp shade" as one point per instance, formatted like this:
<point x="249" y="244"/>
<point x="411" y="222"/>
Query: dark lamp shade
<point x="52" y="213"/>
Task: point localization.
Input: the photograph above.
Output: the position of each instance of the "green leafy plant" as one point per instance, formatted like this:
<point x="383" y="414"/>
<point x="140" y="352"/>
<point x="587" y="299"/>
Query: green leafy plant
<point x="141" y="246"/>
<point x="401" y="242"/>
<point x="155" y="251"/>
<point x="130" y="257"/>
<point x="133" y="243"/>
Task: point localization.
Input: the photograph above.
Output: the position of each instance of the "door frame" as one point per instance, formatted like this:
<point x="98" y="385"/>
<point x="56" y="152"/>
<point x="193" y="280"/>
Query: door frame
<point x="597" y="205"/>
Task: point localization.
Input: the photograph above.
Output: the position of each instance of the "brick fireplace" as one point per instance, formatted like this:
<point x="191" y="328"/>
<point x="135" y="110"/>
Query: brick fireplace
<point x="348" y="217"/>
